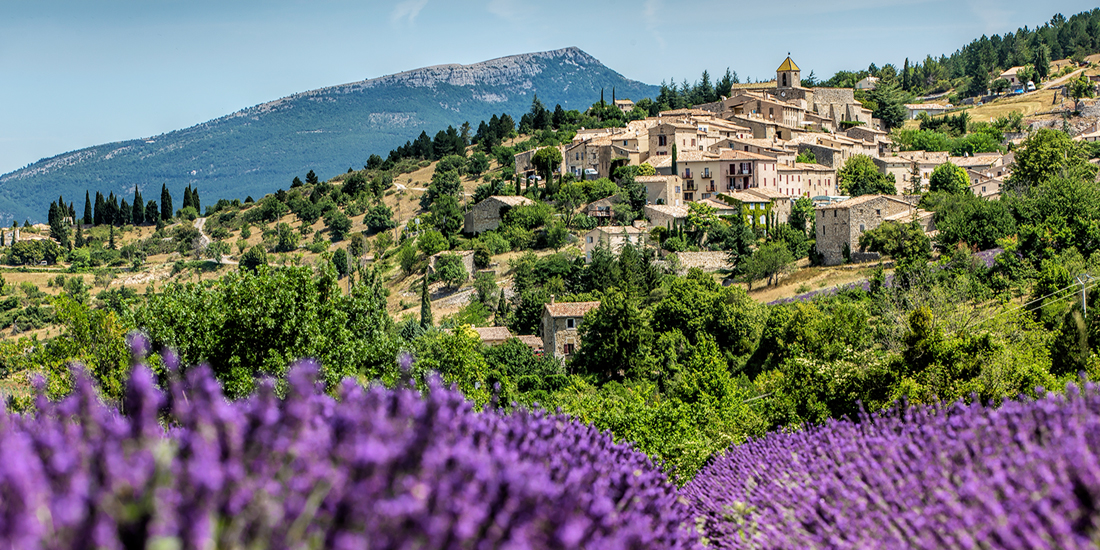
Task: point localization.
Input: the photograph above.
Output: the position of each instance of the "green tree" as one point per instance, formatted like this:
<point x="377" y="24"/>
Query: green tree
<point x="311" y="178"/>
<point x="545" y="160"/>
<point x="254" y="258"/>
<point x="802" y="216"/>
<point x="165" y="203"/>
<point x="1081" y="87"/>
<point x="426" y="320"/>
<point x="1047" y="154"/>
<point x="431" y="242"/>
<point x="379" y="218"/>
<point x="949" y="178"/>
<point x="447" y="215"/>
<point x="450" y="270"/>
<point x="890" y="102"/>
<point x="358" y="245"/>
<point x="616" y="339"/>
<point x="860" y="176"/>
<point x="288" y="238"/>
<point x="905" y="242"/>
<point x="770" y="261"/>
<point x="338" y="224"/>
<point x="341" y="262"/>
<point x="217" y="250"/>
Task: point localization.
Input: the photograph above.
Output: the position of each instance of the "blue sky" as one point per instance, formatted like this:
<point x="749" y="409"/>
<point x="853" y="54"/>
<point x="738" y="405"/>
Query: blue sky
<point x="77" y="73"/>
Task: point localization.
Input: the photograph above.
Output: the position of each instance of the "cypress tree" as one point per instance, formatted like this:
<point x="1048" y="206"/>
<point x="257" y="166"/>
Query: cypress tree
<point x="111" y="241"/>
<point x="79" y="237"/>
<point x="99" y="209"/>
<point x="426" y="320"/>
<point x="125" y="213"/>
<point x="674" y="173"/>
<point x="165" y="203"/>
<point x="138" y="214"/>
<point x="195" y="200"/>
<point x="87" y="209"/>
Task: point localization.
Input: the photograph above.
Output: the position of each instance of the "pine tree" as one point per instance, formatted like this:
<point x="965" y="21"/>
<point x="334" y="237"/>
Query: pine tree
<point x="426" y="320"/>
<point x="87" y="209"/>
<point x="311" y="178"/>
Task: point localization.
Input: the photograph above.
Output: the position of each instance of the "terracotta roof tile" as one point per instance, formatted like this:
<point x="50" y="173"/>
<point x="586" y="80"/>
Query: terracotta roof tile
<point x="531" y="340"/>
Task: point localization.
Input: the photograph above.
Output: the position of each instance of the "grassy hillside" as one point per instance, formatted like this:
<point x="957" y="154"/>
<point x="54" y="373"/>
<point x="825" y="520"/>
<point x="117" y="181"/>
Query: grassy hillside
<point x="259" y="149"/>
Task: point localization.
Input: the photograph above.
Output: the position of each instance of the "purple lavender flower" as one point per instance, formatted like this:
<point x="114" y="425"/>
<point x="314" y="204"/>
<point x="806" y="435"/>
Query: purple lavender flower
<point x="375" y="468"/>
<point x="1025" y="475"/>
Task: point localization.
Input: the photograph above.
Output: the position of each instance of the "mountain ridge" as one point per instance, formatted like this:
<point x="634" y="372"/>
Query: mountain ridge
<point x="257" y="149"/>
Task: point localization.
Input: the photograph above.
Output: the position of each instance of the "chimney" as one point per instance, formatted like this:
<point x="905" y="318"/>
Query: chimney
<point x="552" y="298"/>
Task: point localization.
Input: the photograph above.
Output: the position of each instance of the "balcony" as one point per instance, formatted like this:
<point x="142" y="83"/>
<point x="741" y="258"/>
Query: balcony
<point x="690" y="186"/>
<point x="686" y="175"/>
<point x="737" y="172"/>
<point x="711" y="188"/>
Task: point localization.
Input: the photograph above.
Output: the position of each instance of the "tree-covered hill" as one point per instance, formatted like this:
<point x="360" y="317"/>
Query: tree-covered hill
<point x="256" y="150"/>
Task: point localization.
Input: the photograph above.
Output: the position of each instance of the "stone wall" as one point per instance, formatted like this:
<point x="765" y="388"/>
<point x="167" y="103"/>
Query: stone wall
<point x="834" y="96"/>
<point x="826" y="156"/>
<point x="707" y="261"/>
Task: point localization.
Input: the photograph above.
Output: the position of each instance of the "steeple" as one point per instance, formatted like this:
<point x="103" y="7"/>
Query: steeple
<point x="788" y="75"/>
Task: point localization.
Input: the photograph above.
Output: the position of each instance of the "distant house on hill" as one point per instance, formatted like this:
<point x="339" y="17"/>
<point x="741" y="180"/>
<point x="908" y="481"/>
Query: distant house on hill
<point x="868" y="83"/>
<point x="613" y="237"/>
<point x="487" y="214"/>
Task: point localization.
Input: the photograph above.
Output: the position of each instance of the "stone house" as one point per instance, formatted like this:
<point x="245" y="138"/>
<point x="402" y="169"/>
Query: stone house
<point x="525" y="168"/>
<point x="984" y="184"/>
<point x="614" y="238"/>
<point x="901" y="165"/>
<point x="601" y="209"/>
<point x="624" y="105"/>
<point x="990" y="163"/>
<point x="662" y="189"/>
<point x="761" y="207"/>
<point x="596" y="158"/>
<point x="868" y="83"/>
<point x="531" y="341"/>
<point x="664" y="215"/>
<point x="1013" y="77"/>
<point x="561" y="322"/>
<point x="487" y="214"/>
<point x="839" y="225"/>
<point x="781" y="151"/>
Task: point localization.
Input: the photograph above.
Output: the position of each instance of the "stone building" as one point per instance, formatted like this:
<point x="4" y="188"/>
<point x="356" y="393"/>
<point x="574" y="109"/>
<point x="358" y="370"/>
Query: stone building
<point x="560" y="324"/>
<point x="706" y="173"/>
<point x="487" y="214"/>
<point x="662" y="189"/>
<point x="839" y="225"/>
<point x="902" y="164"/>
<point x="664" y="215"/>
<point x="597" y="157"/>
<point x="493" y="336"/>
<point x="602" y="209"/>
<point x="800" y="179"/>
<point x="614" y="238"/>
<point x="526" y="168"/>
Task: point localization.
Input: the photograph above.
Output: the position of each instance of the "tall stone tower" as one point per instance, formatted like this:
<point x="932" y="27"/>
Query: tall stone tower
<point x="788" y="75"/>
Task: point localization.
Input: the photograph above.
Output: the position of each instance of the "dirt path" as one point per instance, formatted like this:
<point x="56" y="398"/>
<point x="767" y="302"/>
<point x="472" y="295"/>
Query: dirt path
<point x="205" y="241"/>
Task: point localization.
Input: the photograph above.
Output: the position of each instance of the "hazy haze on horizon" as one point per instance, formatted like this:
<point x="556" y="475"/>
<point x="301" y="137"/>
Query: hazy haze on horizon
<point x="79" y="73"/>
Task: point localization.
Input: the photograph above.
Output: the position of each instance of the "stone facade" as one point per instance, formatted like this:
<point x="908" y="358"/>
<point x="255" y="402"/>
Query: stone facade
<point x="666" y="215"/>
<point x="486" y="215"/>
<point x="662" y="189"/>
<point x="613" y="237"/>
<point x="839" y="225"/>
<point x="560" y="326"/>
